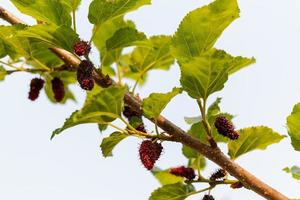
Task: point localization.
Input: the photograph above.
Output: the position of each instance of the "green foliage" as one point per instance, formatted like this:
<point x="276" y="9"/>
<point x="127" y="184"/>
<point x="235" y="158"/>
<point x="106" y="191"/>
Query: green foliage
<point x="124" y="37"/>
<point x="154" y="104"/>
<point x="200" y="29"/>
<point x="73" y="4"/>
<point x="153" y="54"/>
<point x="58" y="36"/>
<point x="101" y="11"/>
<point x="100" y="108"/>
<point x="50" y="11"/>
<point x="253" y="138"/>
<point x="177" y="191"/>
<point x="165" y="178"/>
<point x="109" y="143"/>
<point x="2" y="73"/>
<point x="293" y="124"/>
<point x="295" y="171"/>
<point x="208" y="73"/>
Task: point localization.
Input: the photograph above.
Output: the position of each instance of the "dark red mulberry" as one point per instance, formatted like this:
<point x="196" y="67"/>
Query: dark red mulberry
<point x="129" y="113"/>
<point x="183" y="171"/>
<point x="149" y="153"/>
<point x="82" y="48"/>
<point x="85" y="75"/>
<point x="236" y="185"/>
<point x="36" y="85"/>
<point x="208" y="197"/>
<point x="226" y="128"/>
<point x="58" y="89"/>
<point x="219" y="174"/>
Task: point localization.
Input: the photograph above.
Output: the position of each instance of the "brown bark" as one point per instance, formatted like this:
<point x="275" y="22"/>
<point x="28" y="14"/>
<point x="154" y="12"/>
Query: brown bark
<point x="214" y="154"/>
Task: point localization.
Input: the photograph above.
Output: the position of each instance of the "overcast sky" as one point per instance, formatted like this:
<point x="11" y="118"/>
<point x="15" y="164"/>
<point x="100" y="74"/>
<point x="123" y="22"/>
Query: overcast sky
<point x="72" y="167"/>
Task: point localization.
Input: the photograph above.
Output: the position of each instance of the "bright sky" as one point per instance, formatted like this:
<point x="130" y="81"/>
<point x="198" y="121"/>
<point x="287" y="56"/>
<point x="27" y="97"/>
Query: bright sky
<point x="72" y="167"/>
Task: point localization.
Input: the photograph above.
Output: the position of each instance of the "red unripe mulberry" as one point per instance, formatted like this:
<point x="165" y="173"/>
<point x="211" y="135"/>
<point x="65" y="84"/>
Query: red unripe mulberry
<point x="82" y="48"/>
<point x="36" y="85"/>
<point x="208" y="197"/>
<point x="85" y="75"/>
<point x="183" y="171"/>
<point x="149" y="153"/>
<point x="58" y="89"/>
<point x="226" y="128"/>
<point x="236" y="185"/>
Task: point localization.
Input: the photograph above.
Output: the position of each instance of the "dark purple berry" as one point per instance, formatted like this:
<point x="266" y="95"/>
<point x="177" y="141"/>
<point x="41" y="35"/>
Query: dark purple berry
<point x="85" y="75"/>
<point x="219" y="174"/>
<point x="149" y="153"/>
<point x="208" y="197"/>
<point x="58" y="89"/>
<point x="82" y="48"/>
<point x="226" y="128"/>
<point x="183" y="171"/>
<point x="36" y="85"/>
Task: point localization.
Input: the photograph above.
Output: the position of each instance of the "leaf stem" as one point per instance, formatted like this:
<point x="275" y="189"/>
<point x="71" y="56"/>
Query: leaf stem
<point x="74" y="20"/>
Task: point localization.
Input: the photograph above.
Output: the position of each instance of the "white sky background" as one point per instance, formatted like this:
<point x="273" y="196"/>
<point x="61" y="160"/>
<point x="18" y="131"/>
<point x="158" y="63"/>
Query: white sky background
<point x="72" y="167"/>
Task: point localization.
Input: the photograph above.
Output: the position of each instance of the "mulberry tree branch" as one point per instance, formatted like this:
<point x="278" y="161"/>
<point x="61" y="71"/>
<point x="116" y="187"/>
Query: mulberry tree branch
<point x="214" y="154"/>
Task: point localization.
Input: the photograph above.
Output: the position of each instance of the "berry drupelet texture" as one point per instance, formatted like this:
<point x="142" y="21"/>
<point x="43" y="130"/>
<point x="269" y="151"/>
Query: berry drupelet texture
<point x="208" y="197"/>
<point x="183" y="171"/>
<point x="82" y="48"/>
<point x="58" y="89"/>
<point x="149" y="153"/>
<point x="36" y="85"/>
<point x="219" y="174"/>
<point x="85" y="75"/>
<point x="226" y="128"/>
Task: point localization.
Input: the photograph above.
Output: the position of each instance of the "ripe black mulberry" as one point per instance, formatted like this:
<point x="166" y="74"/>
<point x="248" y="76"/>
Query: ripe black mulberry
<point x="219" y="174"/>
<point x="36" y="85"/>
<point x="85" y="75"/>
<point x="208" y="197"/>
<point x="58" y="89"/>
<point x="226" y="128"/>
<point x="183" y="171"/>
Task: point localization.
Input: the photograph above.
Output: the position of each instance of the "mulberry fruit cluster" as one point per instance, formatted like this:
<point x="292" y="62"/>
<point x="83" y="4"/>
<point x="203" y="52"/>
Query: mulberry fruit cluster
<point x="82" y="48"/>
<point x="183" y="171"/>
<point x="219" y="174"/>
<point x="208" y="197"/>
<point x="36" y="85"/>
<point x="226" y="128"/>
<point x="58" y="89"/>
<point x="149" y="153"/>
<point x="85" y="75"/>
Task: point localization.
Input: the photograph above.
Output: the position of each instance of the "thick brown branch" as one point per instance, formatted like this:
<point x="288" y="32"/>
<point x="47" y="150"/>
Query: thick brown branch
<point x="213" y="154"/>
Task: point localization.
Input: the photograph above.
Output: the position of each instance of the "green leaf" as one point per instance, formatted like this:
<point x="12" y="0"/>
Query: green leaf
<point x="253" y="138"/>
<point x="165" y="178"/>
<point x="73" y="4"/>
<point x="295" y="171"/>
<point x="200" y="29"/>
<point x="3" y="73"/>
<point x="293" y="124"/>
<point x="101" y="108"/>
<point x="153" y="54"/>
<point x="208" y="73"/>
<point x="105" y="33"/>
<point x="154" y="104"/>
<point x="58" y="36"/>
<point x="104" y="10"/>
<point x="109" y="143"/>
<point x="124" y="37"/>
<point x="50" y="11"/>
<point x="177" y="191"/>
<point x="192" y="120"/>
